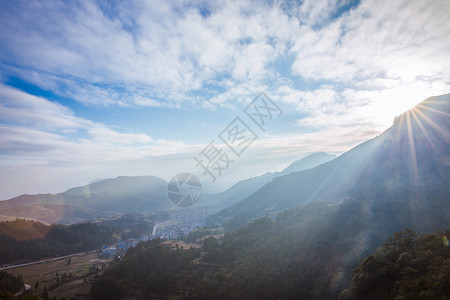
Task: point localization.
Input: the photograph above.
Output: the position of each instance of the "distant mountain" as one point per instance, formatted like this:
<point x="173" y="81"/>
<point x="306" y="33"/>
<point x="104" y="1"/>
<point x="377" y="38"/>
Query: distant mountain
<point x="408" y="162"/>
<point x="309" y="162"/>
<point x="242" y="189"/>
<point x="135" y="194"/>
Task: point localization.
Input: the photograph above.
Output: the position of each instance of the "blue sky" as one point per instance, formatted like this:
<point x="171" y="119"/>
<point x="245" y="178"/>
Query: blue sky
<point x="100" y="89"/>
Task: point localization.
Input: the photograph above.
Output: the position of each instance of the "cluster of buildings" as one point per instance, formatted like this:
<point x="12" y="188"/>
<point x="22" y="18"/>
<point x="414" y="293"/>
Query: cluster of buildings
<point x="172" y="231"/>
<point x="122" y="246"/>
<point x="179" y="224"/>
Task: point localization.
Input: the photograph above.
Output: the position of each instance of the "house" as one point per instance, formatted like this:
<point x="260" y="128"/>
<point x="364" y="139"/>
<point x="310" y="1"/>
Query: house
<point x="109" y="251"/>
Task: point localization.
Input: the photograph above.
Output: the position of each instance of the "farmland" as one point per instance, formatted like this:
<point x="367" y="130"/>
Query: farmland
<point x="73" y="279"/>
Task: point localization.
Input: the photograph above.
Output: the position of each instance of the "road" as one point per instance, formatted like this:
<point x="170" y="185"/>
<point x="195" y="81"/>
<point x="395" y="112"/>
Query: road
<point x="26" y="287"/>
<point x="159" y="224"/>
<point x="46" y="260"/>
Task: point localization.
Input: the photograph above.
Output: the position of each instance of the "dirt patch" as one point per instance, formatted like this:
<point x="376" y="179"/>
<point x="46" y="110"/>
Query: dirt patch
<point x="186" y="246"/>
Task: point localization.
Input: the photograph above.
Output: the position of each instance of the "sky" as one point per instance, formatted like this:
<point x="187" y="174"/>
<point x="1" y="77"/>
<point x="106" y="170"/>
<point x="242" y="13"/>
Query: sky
<point x="99" y="89"/>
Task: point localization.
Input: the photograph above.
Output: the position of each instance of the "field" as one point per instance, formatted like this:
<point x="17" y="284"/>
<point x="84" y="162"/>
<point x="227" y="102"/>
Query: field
<point x="181" y="244"/>
<point x="77" y="281"/>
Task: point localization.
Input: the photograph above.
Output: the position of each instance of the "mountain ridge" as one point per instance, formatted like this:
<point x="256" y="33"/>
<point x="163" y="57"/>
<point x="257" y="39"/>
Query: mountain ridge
<point x="366" y="167"/>
<point x="242" y="189"/>
<point x="123" y="194"/>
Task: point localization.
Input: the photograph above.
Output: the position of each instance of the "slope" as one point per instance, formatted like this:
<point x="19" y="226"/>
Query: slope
<point x="242" y="189"/>
<point x="134" y="194"/>
<point x="410" y="160"/>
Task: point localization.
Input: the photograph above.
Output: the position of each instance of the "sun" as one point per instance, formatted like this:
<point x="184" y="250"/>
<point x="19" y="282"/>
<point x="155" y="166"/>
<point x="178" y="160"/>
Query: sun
<point x="387" y="104"/>
<point x="406" y="98"/>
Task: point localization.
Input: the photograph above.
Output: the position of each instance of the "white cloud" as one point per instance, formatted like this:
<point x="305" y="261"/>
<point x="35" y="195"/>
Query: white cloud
<point x="164" y="52"/>
<point x="158" y="53"/>
<point x="17" y="107"/>
<point x="388" y="39"/>
<point x="46" y="148"/>
<point x="31" y="123"/>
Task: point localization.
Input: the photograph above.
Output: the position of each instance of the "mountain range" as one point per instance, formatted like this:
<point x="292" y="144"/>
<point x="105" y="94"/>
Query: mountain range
<point x="242" y="189"/>
<point x="306" y="230"/>
<point x="408" y="163"/>
<point x="129" y="194"/>
<point x="134" y="194"/>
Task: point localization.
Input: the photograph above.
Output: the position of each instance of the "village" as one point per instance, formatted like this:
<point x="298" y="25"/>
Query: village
<point x="175" y="228"/>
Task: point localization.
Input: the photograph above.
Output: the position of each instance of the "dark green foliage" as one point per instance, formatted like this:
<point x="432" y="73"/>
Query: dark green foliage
<point x="10" y="283"/>
<point x="260" y="261"/>
<point x="151" y="268"/>
<point x="56" y="240"/>
<point x="210" y="243"/>
<point x="195" y="235"/>
<point x="107" y="287"/>
<point x="408" y="266"/>
<point x="129" y="226"/>
<point x="22" y="240"/>
<point x="297" y="256"/>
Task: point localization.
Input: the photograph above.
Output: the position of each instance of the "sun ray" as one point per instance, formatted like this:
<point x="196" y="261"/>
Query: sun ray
<point x="401" y="119"/>
<point x="422" y="128"/>
<point x="433" y="124"/>
<point x="421" y="106"/>
<point x="412" y="146"/>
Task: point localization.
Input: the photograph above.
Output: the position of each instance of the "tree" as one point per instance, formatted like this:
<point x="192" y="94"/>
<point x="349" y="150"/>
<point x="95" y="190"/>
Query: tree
<point x="10" y="283"/>
<point x="409" y="266"/>
<point x="45" y="293"/>
<point x="210" y="243"/>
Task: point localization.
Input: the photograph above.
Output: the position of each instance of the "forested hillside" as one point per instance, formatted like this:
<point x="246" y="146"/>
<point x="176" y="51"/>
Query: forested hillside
<point x="408" y="162"/>
<point x="10" y="283"/>
<point x="24" y="240"/>
<point x="124" y="194"/>
<point x="150" y="268"/>
<point x="408" y="266"/>
<point x="270" y="259"/>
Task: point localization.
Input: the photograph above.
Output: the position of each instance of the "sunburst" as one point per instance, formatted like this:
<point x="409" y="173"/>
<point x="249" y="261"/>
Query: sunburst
<point x="418" y="116"/>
